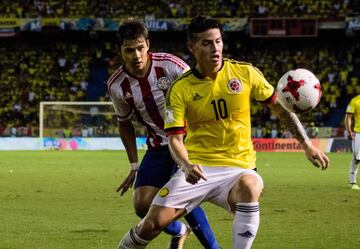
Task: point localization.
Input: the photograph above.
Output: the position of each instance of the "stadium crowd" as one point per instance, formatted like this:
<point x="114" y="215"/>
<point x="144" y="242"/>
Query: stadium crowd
<point x="59" y="72"/>
<point x="178" y="8"/>
<point x="34" y="73"/>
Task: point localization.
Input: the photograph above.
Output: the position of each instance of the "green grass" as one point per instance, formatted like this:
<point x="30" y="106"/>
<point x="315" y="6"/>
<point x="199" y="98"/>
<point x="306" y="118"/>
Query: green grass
<point x="67" y="200"/>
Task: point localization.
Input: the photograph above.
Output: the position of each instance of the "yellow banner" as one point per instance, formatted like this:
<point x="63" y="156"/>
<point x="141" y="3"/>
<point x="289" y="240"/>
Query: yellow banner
<point x="9" y="22"/>
<point x="50" y="22"/>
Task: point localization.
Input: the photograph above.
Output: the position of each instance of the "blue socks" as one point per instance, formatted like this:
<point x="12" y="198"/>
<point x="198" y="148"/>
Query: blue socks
<point x="200" y="227"/>
<point x="174" y="228"/>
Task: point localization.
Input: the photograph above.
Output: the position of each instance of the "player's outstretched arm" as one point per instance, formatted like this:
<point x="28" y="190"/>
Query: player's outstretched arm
<point x="193" y="172"/>
<point x="292" y="122"/>
<point x="127" y="135"/>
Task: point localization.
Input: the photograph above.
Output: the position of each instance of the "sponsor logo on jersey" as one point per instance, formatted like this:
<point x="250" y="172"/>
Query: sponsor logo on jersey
<point x="169" y="115"/>
<point x="196" y="97"/>
<point x="234" y="86"/>
<point x="163" y="83"/>
<point x="164" y="192"/>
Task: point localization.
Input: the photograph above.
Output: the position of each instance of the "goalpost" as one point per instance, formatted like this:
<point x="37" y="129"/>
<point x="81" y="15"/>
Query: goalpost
<point x="65" y="119"/>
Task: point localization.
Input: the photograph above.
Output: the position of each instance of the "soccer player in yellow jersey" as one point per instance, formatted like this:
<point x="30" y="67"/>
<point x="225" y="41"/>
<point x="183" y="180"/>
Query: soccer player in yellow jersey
<point x="352" y="125"/>
<point x="211" y="105"/>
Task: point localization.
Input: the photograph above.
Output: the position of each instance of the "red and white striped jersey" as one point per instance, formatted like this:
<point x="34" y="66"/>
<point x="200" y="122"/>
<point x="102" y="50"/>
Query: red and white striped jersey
<point x="144" y="98"/>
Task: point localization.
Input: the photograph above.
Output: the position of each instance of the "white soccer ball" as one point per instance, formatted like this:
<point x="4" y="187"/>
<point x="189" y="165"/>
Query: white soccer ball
<point x="299" y="90"/>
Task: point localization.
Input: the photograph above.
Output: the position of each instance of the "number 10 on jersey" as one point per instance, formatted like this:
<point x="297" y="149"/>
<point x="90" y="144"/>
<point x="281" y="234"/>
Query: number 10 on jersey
<point x="220" y="109"/>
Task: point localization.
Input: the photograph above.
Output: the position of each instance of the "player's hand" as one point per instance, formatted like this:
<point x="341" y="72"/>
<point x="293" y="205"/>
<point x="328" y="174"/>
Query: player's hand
<point x="315" y="156"/>
<point x="193" y="173"/>
<point x="127" y="183"/>
<point x="350" y="136"/>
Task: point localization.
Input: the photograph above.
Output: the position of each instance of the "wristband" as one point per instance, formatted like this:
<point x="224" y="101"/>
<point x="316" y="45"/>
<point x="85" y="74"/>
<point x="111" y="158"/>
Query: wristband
<point x="134" y="166"/>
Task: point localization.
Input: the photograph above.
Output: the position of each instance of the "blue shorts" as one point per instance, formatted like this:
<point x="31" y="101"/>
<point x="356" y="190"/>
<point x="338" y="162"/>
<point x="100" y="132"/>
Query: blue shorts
<point x="156" y="168"/>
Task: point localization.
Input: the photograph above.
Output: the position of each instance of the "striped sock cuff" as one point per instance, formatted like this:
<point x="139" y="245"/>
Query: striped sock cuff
<point x="247" y="207"/>
<point x="136" y="239"/>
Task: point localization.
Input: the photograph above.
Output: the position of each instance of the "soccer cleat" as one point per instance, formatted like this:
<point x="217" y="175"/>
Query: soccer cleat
<point x="177" y="242"/>
<point x="354" y="186"/>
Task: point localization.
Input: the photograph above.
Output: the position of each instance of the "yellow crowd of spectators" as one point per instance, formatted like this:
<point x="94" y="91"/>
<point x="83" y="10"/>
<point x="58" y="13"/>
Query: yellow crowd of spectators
<point x="59" y="72"/>
<point x="41" y="73"/>
<point x="178" y="8"/>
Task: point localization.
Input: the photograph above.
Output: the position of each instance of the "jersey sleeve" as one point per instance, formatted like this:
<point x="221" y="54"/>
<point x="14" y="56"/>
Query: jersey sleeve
<point x="175" y="110"/>
<point x="261" y="90"/>
<point x="122" y="109"/>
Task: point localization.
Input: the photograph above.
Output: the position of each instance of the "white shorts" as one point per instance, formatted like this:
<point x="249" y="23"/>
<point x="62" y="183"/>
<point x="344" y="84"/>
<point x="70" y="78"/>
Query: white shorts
<point x="178" y="193"/>
<point x="356" y="146"/>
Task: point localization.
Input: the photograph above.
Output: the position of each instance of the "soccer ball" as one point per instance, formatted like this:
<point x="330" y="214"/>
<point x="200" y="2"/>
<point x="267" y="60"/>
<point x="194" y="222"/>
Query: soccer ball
<point x="299" y="90"/>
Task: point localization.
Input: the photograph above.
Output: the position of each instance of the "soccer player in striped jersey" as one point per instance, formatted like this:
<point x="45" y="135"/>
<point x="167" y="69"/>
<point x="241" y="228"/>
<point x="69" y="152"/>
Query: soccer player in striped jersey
<point x="217" y="158"/>
<point x="138" y="89"/>
<point x="352" y="126"/>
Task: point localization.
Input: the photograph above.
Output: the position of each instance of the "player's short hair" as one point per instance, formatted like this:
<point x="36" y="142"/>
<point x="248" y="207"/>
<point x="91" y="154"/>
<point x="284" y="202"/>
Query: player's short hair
<point x="201" y="24"/>
<point x="132" y="29"/>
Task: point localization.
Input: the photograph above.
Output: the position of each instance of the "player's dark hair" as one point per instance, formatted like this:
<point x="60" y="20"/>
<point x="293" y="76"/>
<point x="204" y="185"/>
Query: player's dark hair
<point x="132" y="29"/>
<point x="201" y="24"/>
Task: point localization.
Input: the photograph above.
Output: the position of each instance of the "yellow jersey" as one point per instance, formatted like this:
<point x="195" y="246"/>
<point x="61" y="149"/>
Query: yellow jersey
<point x="354" y="108"/>
<point x="216" y="113"/>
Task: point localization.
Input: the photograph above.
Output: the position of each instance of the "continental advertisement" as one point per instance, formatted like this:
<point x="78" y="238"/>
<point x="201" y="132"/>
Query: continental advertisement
<point x="289" y="145"/>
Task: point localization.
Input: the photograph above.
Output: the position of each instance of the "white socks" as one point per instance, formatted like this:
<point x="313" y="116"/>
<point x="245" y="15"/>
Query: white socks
<point x="132" y="241"/>
<point x="354" y="166"/>
<point x="245" y="225"/>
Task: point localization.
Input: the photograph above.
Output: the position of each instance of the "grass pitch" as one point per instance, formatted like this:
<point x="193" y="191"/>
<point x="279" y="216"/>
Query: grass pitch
<point x="67" y="200"/>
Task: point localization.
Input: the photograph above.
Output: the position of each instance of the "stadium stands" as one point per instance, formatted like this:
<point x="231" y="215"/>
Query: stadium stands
<point x="178" y="8"/>
<point x="60" y="72"/>
<point x="30" y="74"/>
<point x="76" y="69"/>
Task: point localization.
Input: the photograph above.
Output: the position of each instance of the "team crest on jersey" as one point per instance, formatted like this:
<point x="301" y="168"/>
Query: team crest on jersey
<point x="234" y="85"/>
<point x="163" y="83"/>
<point x="164" y="192"/>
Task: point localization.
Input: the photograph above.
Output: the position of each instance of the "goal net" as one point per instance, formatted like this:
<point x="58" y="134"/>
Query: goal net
<point x="77" y="119"/>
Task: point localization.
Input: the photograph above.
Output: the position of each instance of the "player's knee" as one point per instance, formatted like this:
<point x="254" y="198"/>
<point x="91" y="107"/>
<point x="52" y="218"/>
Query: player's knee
<point x="150" y="226"/>
<point x="250" y="187"/>
<point x="142" y="203"/>
<point x="142" y="199"/>
<point x="141" y="209"/>
<point x="356" y="162"/>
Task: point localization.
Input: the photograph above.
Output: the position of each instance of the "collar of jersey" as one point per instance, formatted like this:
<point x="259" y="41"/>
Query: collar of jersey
<point x="198" y="75"/>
